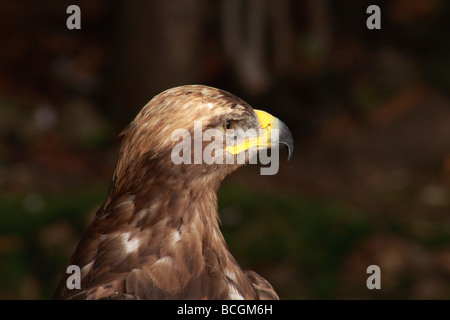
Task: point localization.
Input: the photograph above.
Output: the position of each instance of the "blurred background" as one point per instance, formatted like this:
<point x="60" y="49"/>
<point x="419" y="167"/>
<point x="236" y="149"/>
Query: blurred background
<point x="369" y="180"/>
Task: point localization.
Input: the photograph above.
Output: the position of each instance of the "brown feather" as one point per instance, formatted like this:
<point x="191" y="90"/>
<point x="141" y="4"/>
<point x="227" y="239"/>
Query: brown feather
<point x="157" y="234"/>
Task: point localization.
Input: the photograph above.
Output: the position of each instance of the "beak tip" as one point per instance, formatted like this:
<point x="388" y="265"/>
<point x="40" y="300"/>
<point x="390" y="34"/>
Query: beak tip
<point x="290" y="149"/>
<point x="286" y="139"/>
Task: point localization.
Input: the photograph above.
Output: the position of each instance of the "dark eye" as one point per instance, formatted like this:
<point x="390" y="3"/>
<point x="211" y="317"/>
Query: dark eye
<point x="227" y="125"/>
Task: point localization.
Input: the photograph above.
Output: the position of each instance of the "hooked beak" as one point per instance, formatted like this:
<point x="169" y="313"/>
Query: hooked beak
<point x="267" y="138"/>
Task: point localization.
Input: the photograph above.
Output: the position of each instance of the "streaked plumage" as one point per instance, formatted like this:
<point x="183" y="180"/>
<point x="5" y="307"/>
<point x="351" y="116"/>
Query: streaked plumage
<point x="157" y="234"/>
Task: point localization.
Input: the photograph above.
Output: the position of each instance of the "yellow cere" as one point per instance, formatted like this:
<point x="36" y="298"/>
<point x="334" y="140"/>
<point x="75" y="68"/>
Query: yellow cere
<point x="266" y="121"/>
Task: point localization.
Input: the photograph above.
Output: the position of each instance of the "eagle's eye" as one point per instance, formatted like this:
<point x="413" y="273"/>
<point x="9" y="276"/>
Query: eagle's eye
<point x="227" y="125"/>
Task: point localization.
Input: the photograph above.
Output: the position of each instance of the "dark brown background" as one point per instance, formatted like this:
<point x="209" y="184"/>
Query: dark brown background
<point x="369" y="180"/>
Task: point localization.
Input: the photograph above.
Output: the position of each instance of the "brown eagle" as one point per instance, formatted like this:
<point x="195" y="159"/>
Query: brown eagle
<point x="157" y="234"/>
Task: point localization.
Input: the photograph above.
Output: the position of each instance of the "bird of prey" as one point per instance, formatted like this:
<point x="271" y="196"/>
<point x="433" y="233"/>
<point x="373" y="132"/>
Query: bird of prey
<point x="157" y="234"/>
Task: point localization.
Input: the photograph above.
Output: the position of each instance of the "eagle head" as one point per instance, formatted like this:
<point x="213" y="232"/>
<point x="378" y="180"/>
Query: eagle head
<point x="199" y="132"/>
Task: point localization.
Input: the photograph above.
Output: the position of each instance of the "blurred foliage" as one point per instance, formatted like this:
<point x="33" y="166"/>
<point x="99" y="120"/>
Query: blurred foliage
<point x="38" y="231"/>
<point x="261" y="228"/>
<point x="369" y="182"/>
<point x="308" y="238"/>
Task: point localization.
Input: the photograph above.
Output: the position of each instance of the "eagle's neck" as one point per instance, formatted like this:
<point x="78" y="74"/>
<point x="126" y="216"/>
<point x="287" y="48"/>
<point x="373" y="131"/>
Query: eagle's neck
<point x="170" y="222"/>
<point x="176" y="226"/>
<point x="200" y="247"/>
